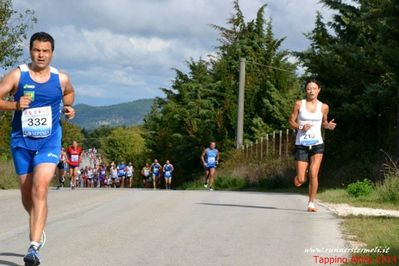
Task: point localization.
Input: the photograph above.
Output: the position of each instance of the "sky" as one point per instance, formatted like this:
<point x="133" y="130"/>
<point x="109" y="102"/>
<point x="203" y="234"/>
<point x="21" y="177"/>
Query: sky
<point x="118" y="51"/>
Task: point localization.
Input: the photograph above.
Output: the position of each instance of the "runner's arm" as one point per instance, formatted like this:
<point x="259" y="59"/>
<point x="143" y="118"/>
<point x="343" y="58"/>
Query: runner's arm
<point x="9" y="86"/>
<point x="294" y="116"/>
<point x="327" y="125"/>
<point x="68" y="95"/>
<point x="203" y="157"/>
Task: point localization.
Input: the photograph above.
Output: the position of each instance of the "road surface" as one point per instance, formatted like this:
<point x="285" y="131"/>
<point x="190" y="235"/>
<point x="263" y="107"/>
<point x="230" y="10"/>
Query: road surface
<point x="146" y="227"/>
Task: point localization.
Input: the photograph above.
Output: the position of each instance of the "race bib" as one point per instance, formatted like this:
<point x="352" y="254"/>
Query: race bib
<point x="168" y="174"/>
<point x="37" y="122"/>
<point x="308" y="139"/>
<point x="146" y="173"/>
<point x="211" y="160"/>
<point x="156" y="170"/>
<point x="75" y="158"/>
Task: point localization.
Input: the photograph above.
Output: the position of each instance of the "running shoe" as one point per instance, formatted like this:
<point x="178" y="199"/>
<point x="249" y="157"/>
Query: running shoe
<point x="43" y="239"/>
<point x="206" y="185"/>
<point x="311" y="207"/>
<point x="210" y="189"/>
<point x="32" y="258"/>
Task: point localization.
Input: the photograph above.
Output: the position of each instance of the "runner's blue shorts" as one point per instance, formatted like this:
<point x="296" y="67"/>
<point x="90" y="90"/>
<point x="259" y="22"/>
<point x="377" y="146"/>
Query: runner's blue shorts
<point x="26" y="160"/>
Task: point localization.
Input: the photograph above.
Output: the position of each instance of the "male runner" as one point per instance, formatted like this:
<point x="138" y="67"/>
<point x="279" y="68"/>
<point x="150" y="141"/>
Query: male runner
<point x="155" y="169"/>
<point x="129" y="175"/>
<point x="38" y="91"/>
<point x="167" y="173"/>
<point x="210" y="159"/>
<point x="122" y="173"/>
<point x="60" y="172"/>
<point x="146" y="173"/>
<point x="74" y="158"/>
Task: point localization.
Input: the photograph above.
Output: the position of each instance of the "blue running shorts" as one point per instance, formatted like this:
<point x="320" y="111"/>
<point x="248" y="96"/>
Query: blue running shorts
<point x="26" y="160"/>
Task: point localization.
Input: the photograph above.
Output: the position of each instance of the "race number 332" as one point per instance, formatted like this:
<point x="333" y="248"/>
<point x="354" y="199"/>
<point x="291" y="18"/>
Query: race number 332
<point x="37" y="122"/>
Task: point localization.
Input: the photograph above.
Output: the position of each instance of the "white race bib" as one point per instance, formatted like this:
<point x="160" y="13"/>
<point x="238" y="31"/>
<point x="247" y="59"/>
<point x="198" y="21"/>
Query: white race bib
<point x="75" y="158"/>
<point x="308" y="138"/>
<point x="37" y="122"/>
<point x="168" y="174"/>
<point x="211" y="160"/>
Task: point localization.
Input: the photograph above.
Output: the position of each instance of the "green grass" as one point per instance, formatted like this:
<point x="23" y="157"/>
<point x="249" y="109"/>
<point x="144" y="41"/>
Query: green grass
<point x="8" y="178"/>
<point x="341" y="196"/>
<point x="374" y="232"/>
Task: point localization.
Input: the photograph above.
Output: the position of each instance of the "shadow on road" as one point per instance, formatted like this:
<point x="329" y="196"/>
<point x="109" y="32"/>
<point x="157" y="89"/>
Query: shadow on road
<point x="9" y="254"/>
<point x="248" y="206"/>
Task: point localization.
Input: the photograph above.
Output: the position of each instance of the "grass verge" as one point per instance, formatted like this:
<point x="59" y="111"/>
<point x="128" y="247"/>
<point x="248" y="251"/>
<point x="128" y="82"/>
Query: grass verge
<point x="340" y="196"/>
<point x="375" y="232"/>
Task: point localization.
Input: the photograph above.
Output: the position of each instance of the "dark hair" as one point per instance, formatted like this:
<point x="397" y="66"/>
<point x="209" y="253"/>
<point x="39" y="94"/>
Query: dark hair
<point x="42" y="37"/>
<point x="312" y="81"/>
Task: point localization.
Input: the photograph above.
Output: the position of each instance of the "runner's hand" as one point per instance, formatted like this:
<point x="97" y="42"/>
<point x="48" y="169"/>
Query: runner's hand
<point x="331" y="125"/>
<point x="24" y="102"/>
<point x="69" y="112"/>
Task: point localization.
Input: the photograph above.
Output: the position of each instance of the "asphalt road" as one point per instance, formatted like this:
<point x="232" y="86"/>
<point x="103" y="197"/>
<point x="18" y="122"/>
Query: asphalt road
<point x="146" y="227"/>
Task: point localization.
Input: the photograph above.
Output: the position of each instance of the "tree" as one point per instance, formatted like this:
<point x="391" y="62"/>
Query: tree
<point x="124" y="144"/>
<point x="201" y="105"/>
<point x="70" y="132"/>
<point x="13" y="31"/>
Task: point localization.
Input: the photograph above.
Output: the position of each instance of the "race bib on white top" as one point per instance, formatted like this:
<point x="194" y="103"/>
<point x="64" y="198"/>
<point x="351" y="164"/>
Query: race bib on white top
<point x="74" y="158"/>
<point x="37" y="122"/>
<point x="309" y="137"/>
<point x="146" y="172"/>
<point x="211" y="160"/>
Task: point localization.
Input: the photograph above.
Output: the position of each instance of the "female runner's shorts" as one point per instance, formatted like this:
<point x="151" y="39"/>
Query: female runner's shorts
<point x="303" y="153"/>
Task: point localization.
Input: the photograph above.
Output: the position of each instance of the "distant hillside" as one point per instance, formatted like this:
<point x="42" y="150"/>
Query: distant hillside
<point x="131" y="113"/>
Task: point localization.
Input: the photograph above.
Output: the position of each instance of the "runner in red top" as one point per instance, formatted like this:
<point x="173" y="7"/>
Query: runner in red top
<point x="74" y="157"/>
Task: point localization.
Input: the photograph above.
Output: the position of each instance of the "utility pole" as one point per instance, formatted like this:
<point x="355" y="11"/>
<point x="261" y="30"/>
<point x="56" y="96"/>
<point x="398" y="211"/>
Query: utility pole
<point x="240" y="114"/>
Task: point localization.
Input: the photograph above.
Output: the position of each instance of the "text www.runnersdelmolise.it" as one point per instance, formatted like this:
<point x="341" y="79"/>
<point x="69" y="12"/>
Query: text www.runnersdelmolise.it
<point x="323" y="256"/>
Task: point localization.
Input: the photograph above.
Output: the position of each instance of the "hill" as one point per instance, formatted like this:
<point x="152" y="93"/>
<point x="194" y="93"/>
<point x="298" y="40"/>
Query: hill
<point x="124" y="114"/>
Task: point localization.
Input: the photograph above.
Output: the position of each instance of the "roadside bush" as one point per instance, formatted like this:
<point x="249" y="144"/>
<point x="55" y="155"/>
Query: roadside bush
<point x="360" y="188"/>
<point x="230" y="183"/>
<point x="388" y="191"/>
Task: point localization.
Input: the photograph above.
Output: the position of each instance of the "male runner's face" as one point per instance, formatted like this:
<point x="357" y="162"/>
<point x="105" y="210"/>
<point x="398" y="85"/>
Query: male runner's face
<point x="213" y="145"/>
<point x="41" y="54"/>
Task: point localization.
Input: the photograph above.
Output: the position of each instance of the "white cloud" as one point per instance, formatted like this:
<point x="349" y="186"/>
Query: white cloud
<point x="122" y="50"/>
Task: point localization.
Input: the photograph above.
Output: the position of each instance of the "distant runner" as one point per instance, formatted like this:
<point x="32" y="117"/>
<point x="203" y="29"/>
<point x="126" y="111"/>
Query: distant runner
<point x="167" y="173"/>
<point x="210" y="159"/>
<point x="156" y="169"/>
<point x="74" y="157"/>
<point x="60" y="172"/>
<point x="129" y="175"/>
<point x="146" y="173"/>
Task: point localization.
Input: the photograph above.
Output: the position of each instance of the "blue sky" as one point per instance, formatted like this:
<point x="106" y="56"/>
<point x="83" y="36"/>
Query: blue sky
<point x="121" y="50"/>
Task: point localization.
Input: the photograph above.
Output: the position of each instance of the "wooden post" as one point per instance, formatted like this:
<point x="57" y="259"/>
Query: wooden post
<point x="261" y="148"/>
<point x="267" y="145"/>
<point x="280" y="142"/>
<point x="274" y="143"/>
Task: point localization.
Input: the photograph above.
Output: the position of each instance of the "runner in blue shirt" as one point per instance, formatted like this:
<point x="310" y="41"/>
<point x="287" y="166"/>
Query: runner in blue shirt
<point x="210" y="159"/>
<point x="156" y="169"/>
<point x="38" y="90"/>
<point x="167" y="174"/>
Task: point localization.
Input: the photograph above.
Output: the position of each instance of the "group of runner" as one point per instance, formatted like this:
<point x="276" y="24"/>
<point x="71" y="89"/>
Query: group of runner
<point x="98" y="174"/>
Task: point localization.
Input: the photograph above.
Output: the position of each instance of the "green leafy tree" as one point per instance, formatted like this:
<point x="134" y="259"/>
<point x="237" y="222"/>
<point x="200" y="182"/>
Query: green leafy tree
<point x="125" y="144"/>
<point x="13" y="31"/>
<point x="70" y="132"/>
<point x="201" y="105"/>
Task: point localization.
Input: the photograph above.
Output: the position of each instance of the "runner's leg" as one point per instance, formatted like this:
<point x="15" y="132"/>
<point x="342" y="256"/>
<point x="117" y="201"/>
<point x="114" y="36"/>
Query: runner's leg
<point x="315" y="162"/>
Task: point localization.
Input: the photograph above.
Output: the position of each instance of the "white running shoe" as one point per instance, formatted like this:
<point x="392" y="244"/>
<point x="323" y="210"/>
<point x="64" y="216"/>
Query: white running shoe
<point x="311" y="207"/>
<point x="205" y="185"/>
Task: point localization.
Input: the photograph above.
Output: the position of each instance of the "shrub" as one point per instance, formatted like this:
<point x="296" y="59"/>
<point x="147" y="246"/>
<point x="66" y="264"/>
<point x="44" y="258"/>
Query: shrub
<point x="229" y="183"/>
<point x="388" y="191"/>
<point x="360" y="188"/>
<point x="8" y="178"/>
